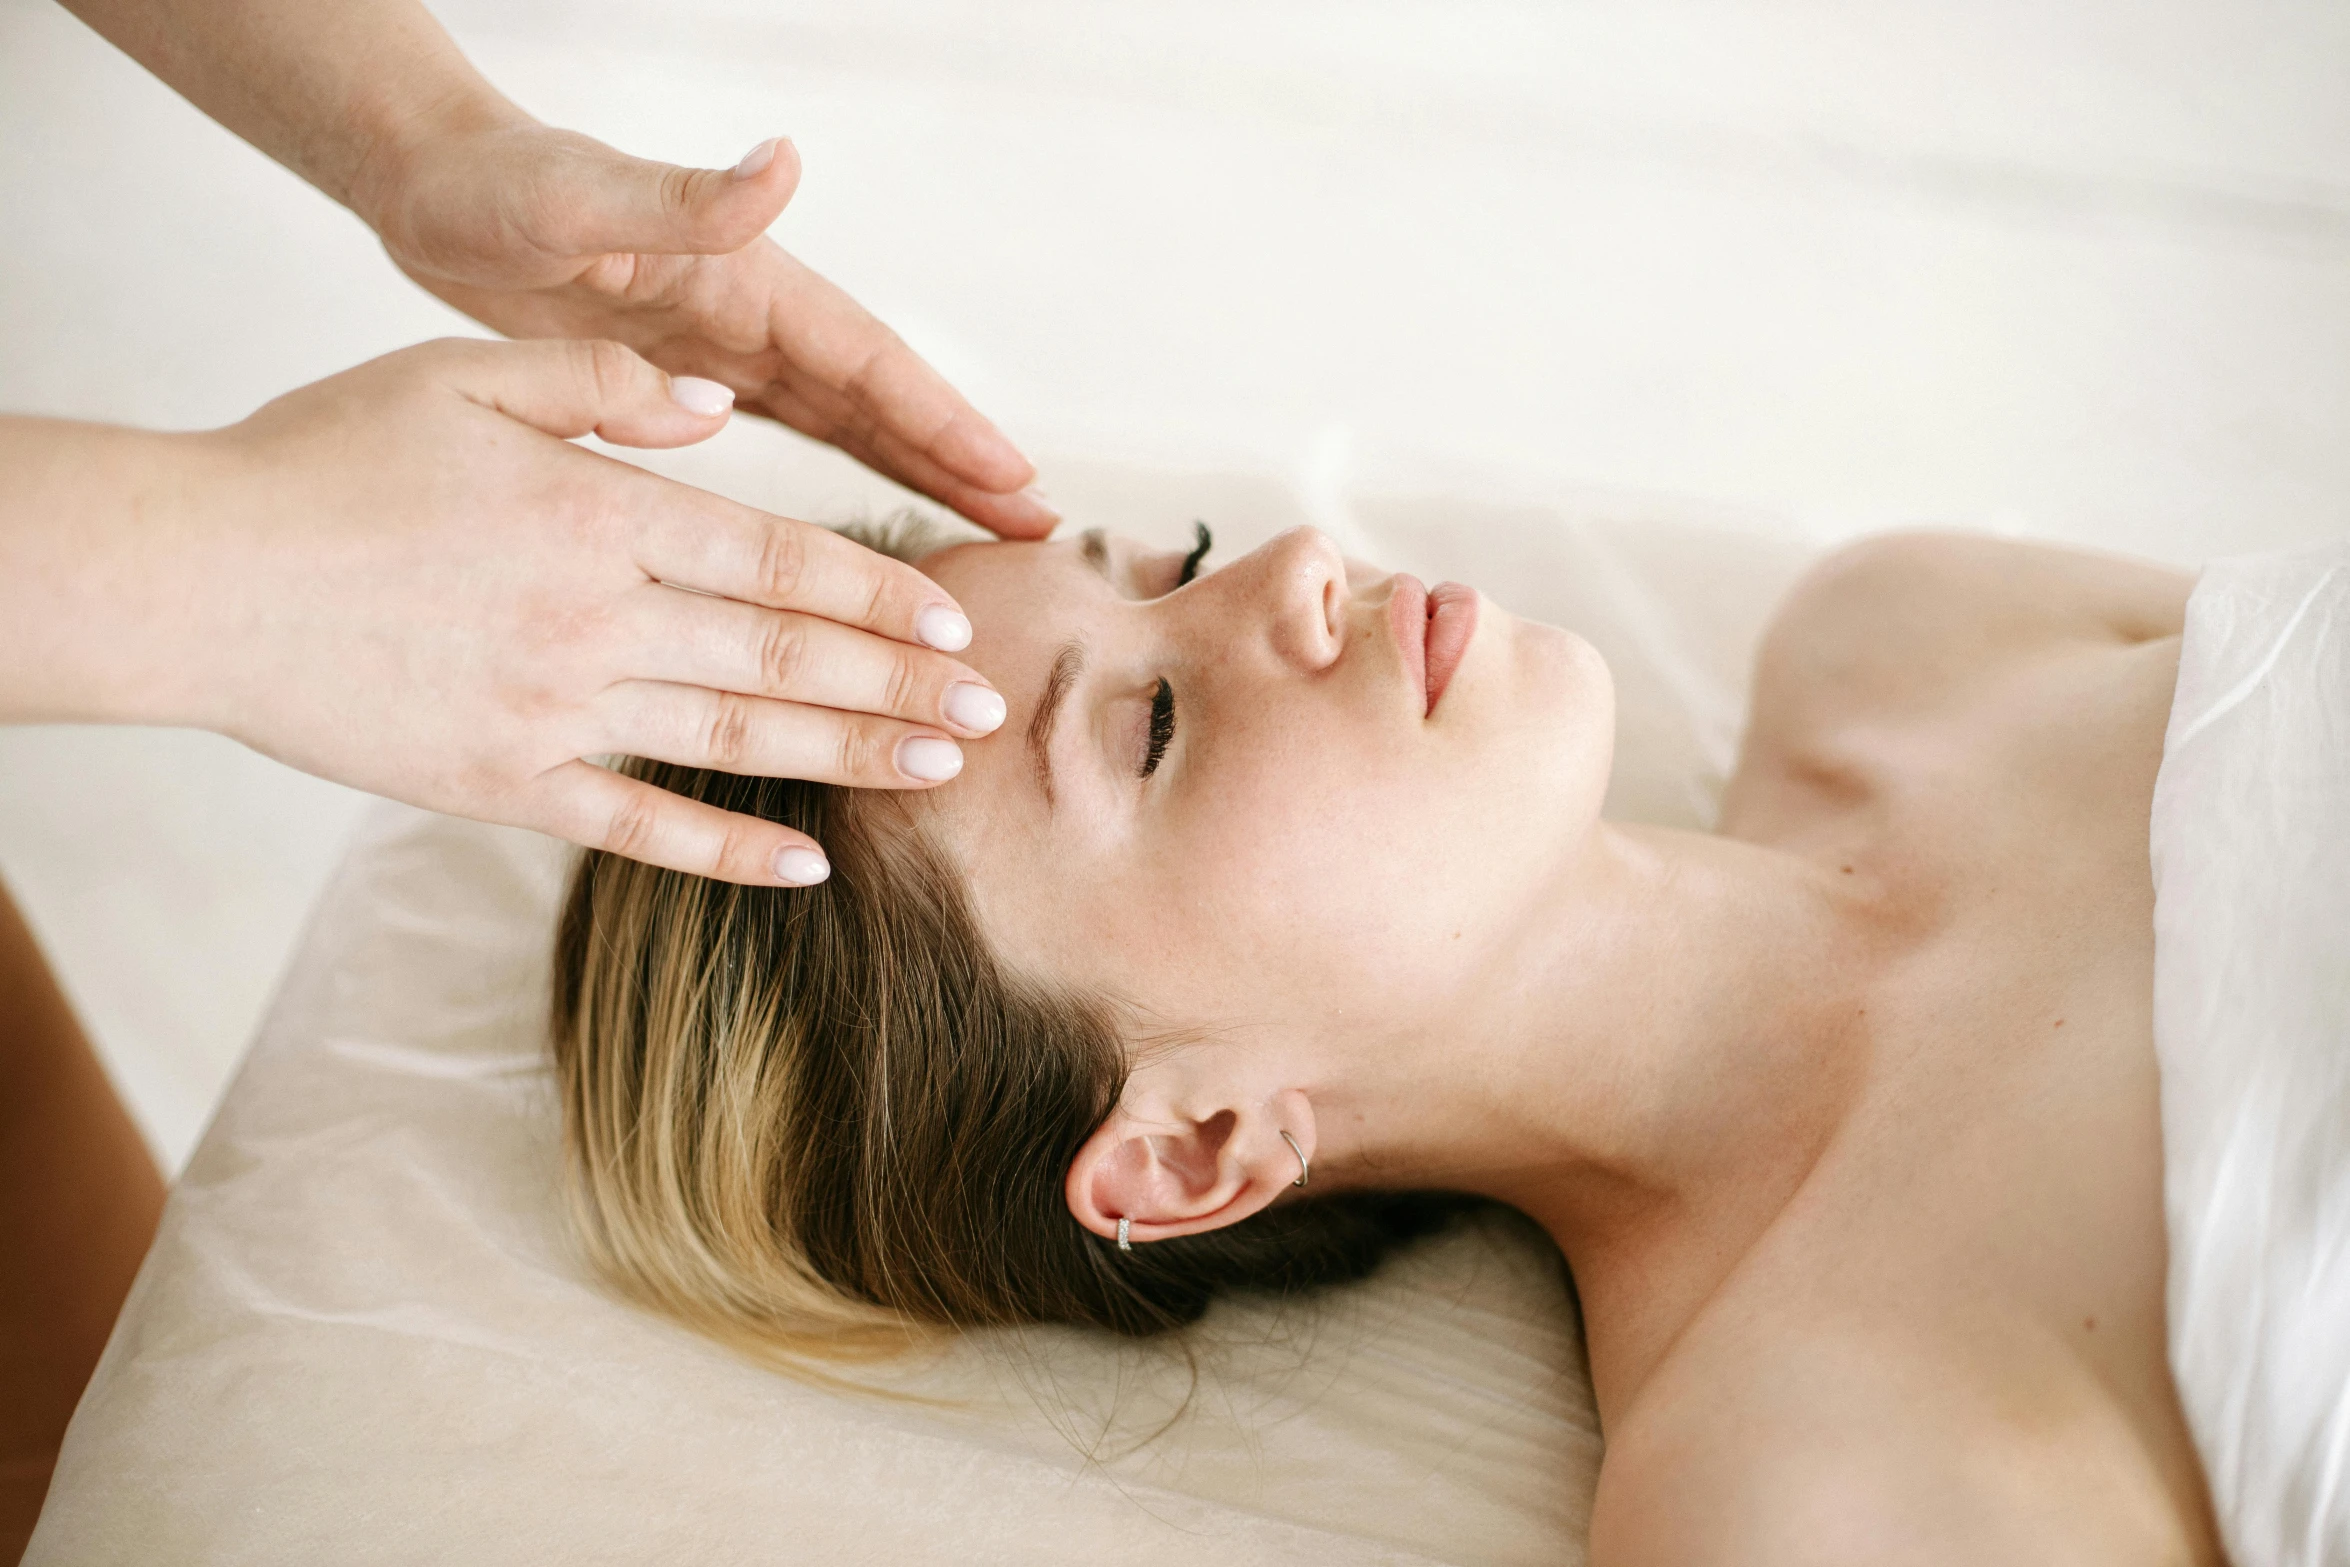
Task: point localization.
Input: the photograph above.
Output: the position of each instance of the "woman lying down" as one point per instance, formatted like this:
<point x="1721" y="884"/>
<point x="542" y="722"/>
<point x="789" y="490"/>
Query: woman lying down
<point x="1282" y="922"/>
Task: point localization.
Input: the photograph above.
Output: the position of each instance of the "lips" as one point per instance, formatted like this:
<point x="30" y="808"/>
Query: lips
<point x="1452" y="621"/>
<point x="1432" y="631"/>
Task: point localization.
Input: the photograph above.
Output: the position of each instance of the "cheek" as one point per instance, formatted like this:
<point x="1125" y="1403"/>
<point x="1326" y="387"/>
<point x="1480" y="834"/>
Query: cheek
<point x="1309" y="872"/>
<point x="1302" y="889"/>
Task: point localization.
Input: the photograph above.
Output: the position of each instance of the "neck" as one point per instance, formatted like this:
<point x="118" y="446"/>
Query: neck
<point x="1658" y="1067"/>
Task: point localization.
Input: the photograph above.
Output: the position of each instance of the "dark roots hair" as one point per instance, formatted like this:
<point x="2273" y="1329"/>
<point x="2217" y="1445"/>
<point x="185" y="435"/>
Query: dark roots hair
<point x="814" y="1119"/>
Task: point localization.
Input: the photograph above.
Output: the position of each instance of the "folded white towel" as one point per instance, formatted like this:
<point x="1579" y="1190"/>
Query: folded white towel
<point x="2251" y="846"/>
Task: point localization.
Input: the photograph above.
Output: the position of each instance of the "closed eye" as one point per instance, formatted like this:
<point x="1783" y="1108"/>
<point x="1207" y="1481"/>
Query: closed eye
<point x="1162" y="729"/>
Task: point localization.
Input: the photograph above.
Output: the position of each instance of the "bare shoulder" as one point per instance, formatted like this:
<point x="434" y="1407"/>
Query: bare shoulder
<point x="1882" y="1502"/>
<point x="1819" y="1452"/>
<point x="1903" y="620"/>
<point x="1839" y="1450"/>
<point x="1789" y="1503"/>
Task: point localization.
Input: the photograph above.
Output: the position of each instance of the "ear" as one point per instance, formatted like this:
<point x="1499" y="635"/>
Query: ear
<point x="1172" y="1168"/>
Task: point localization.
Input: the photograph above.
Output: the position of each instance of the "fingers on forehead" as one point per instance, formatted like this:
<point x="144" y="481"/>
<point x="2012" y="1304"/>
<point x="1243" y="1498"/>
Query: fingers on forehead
<point x="757" y="737"/>
<point x="732" y="646"/>
<point x="714" y="546"/>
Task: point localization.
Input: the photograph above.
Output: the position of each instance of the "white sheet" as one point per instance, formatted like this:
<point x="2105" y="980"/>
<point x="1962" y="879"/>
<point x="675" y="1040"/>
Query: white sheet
<point x="2251" y="841"/>
<point x="362" y="1335"/>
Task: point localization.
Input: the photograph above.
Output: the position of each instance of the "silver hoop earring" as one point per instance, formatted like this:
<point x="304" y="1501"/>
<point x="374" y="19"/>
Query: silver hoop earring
<point x="1124" y="1242"/>
<point x="1303" y="1169"/>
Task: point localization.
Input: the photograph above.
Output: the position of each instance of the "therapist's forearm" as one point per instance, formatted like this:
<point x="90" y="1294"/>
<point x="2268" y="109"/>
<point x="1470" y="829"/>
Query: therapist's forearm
<point x="340" y="91"/>
<point x="102" y="572"/>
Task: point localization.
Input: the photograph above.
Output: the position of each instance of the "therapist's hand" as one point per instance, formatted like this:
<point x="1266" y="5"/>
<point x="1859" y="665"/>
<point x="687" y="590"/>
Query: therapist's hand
<point x="546" y="233"/>
<point x="425" y="591"/>
<point x="543" y="233"/>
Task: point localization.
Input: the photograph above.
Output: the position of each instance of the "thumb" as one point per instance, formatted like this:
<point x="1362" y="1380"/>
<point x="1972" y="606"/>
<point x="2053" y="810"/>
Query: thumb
<point x="625" y="204"/>
<point x="570" y="387"/>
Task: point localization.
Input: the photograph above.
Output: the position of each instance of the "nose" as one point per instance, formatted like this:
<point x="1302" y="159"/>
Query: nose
<point x="1300" y="582"/>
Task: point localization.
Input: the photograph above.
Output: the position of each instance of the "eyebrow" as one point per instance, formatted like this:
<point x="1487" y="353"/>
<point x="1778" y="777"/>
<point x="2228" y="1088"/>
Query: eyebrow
<point x="1067" y="665"/>
<point x="1094" y="546"/>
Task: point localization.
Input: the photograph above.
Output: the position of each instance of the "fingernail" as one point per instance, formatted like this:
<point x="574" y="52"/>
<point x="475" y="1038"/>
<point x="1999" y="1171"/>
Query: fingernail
<point x="943" y="628"/>
<point x="1029" y="513"/>
<point x="697" y="396"/>
<point x="929" y="759"/>
<point x="801" y="867"/>
<point x="756" y="160"/>
<point x="975" y="708"/>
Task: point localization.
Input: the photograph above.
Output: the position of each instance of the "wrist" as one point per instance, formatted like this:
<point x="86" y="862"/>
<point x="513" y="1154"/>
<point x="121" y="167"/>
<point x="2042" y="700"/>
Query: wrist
<point x="406" y="143"/>
<point x="103" y="563"/>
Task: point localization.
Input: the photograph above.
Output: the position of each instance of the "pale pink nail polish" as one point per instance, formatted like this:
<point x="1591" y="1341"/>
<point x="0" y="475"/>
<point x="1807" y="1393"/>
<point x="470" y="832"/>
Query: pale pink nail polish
<point x="697" y="396"/>
<point x="801" y="867"/>
<point x="973" y="707"/>
<point x="930" y="759"/>
<point x="756" y="160"/>
<point x="943" y="628"/>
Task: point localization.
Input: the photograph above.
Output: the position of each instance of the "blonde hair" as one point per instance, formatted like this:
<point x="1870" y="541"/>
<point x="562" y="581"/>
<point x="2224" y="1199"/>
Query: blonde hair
<point x="819" y="1123"/>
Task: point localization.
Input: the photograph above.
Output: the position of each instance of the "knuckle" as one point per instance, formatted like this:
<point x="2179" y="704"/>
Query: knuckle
<point x="783" y="562"/>
<point x="854" y="424"/>
<point x="881" y="597"/>
<point x="634" y="824"/>
<point x="608" y="369"/>
<point x="676" y="191"/>
<point x="427" y="372"/>
<point x="908" y="684"/>
<point x="858" y="752"/>
<point x="578" y="508"/>
<point x="880" y="350"/>
<point x="784" y="655"/>
<point x="727" y="738"/>
<point x="738" y="845"/>
<point x="614" y="273"/>
<point x="543" y="204"/>
<point x="594" y="515"/>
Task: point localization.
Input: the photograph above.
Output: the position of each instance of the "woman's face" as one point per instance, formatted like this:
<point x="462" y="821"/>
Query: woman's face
<point x="1232" y="803"/>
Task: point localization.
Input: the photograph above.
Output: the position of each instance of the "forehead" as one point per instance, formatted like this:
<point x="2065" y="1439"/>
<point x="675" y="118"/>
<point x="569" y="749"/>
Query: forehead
<point x="1017" y="595"/>
<point x="1027" y="603"/>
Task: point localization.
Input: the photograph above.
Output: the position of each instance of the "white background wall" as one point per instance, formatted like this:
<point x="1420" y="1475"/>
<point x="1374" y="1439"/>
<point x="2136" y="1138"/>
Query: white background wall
<point x="2077" y="269"/>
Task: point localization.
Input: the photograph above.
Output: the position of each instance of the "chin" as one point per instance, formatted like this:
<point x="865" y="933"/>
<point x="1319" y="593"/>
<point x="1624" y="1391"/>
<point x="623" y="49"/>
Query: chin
<point x="1567" y="700"/>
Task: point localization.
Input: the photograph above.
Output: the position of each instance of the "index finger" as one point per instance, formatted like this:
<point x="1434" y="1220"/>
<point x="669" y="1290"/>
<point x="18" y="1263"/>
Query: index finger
<point x="691" y="539"/>
<point x="825" y="334"/>
<point x="601" y="809"/>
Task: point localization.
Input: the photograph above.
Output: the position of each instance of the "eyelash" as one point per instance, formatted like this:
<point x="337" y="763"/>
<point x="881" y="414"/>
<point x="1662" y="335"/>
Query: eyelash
<point x="1202" y="542"/>
<point x="1162" y="730"/>
<point x="1162" y="727"/>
